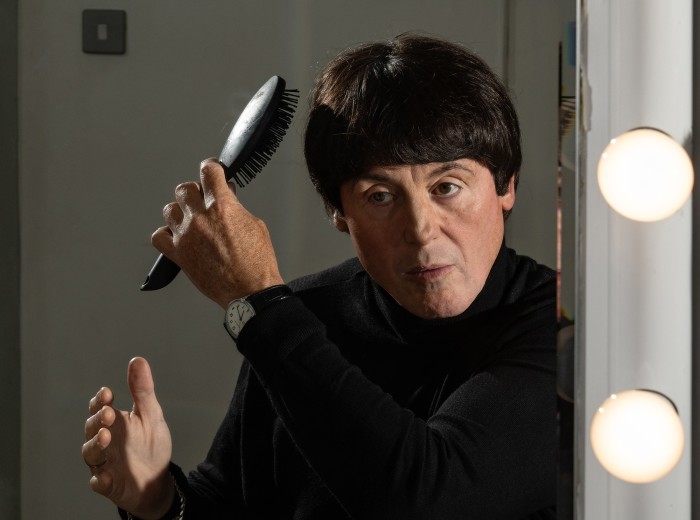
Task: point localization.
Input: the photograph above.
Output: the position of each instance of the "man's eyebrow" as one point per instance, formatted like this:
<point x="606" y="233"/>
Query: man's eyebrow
<point x="374" y="176"/>
<point x="452" y="165"/>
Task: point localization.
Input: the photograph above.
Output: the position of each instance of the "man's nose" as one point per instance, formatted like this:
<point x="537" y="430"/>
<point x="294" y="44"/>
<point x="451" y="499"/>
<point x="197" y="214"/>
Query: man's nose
<point x="420" y="220"/>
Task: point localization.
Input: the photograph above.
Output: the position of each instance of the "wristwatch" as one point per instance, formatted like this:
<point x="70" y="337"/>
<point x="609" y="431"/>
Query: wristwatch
<point x="240" y="311"/>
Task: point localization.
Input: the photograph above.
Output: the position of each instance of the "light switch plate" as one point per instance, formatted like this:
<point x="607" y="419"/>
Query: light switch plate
<point x="104" y="31"/>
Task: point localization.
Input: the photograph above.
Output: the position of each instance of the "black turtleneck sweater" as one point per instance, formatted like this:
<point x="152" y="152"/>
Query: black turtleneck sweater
<point x="347" y="406"/>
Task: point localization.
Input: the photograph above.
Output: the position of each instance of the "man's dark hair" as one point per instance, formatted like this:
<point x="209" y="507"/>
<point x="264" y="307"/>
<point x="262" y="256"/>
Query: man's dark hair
<point x="410" y="100"/>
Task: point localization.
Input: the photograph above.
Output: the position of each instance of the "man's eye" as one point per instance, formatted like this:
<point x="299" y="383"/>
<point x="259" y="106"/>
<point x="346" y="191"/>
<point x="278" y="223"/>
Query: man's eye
<point x="380" y="197"/>
<point x="446" y="189"/>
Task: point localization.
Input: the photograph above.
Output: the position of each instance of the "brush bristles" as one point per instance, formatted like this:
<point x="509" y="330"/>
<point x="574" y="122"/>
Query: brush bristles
<point x="271" y="139"/>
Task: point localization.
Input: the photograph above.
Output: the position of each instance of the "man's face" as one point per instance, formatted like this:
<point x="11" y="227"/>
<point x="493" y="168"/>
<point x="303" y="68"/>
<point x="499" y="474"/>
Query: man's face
<point x="429" y="233"/>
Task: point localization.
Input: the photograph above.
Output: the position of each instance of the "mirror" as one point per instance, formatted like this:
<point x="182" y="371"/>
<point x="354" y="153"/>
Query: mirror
<point x="103" y="140"/>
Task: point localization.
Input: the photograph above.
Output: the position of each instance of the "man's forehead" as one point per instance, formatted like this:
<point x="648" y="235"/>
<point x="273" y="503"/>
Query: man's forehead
<point x="390" y="172"/>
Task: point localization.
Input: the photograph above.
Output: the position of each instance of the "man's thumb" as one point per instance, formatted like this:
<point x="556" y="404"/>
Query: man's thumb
<point x="142" y="388"/>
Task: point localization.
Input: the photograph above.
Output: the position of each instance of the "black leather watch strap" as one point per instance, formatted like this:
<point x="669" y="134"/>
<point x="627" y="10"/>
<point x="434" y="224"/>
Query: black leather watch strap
<point x="266" y="297"/>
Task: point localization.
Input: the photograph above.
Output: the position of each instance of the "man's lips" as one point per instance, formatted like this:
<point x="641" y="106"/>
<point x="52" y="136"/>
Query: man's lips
<point x="428" y="273"/>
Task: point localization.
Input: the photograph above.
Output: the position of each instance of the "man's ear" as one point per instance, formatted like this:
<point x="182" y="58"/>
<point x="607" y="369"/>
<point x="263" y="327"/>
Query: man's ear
<point x="508" y="198"/>
<point x="339" y="221"/>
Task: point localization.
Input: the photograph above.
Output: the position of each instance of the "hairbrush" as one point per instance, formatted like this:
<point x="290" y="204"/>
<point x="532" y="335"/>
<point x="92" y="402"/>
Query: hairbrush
<point x="253" y="140"/>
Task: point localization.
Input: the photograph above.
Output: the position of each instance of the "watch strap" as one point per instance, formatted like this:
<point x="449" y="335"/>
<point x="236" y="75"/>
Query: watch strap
<point x="267" y="297"/>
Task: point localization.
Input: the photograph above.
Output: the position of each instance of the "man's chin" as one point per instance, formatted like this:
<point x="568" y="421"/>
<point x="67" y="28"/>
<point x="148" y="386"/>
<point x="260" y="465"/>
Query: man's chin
<point x="435" y="308"/>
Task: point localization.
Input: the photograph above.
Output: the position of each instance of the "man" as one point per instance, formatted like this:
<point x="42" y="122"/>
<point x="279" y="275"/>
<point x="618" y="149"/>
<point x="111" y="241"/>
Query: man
<point x="415" y="381"/>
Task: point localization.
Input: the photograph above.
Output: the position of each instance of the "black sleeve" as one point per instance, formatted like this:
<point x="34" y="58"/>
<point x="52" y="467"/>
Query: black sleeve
<point x="214" y="490"/>
<point x="488" y="452"/>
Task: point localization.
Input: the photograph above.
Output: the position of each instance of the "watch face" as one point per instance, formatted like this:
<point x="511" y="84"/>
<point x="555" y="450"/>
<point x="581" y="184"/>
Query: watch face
<point x="237" y="314"/>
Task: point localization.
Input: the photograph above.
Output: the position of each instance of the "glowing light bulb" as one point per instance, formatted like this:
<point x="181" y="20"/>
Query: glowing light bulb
<point x="645" y="175"/>
<point x="637" y="435"/>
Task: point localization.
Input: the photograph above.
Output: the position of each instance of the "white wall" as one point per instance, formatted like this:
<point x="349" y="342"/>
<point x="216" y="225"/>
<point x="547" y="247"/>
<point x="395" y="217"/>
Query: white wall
<point x="636" y="277"/>
<point x="103" y="141"/>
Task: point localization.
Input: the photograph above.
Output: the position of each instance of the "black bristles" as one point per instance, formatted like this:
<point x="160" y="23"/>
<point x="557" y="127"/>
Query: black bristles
<point x="270" y="140"/>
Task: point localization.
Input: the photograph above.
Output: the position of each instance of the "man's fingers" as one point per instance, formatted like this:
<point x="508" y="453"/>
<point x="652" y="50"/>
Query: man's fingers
<point x="103" y="418"/>
<point x="94" y="449"/>
<point x="103" y="397"/>
<point x="173" y="215"/>
<point x="189" y="196"/>
<point x="101" y="482"/>
<point x="162" y="240"/>
<point x="142" y="388"/>
<point x="214" y="183"/>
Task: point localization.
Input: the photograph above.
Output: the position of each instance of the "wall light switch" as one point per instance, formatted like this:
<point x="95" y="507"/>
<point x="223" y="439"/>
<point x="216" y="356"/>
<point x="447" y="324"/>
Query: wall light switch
<point x="104" y="31"/>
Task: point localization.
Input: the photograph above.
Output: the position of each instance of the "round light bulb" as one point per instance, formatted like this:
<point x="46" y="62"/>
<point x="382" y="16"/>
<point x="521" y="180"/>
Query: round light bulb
<point x="637" y="435"/>
<point x="645" y="175"/>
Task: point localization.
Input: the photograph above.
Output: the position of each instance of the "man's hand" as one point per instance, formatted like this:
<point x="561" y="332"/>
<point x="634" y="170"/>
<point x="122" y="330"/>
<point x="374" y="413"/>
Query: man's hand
<point x="129" y="452"/>
<point x="223" y="249"/>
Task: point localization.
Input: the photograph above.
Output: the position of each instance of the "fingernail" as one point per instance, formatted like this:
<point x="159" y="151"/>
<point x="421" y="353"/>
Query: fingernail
<point x="207" y="161"/>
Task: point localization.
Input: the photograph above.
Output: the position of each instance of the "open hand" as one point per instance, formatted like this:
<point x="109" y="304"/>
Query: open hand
<point x="129" y="452"/>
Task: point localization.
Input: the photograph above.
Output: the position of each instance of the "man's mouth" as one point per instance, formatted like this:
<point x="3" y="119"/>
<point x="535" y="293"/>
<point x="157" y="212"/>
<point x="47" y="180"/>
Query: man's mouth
<point x="428" y="273"/>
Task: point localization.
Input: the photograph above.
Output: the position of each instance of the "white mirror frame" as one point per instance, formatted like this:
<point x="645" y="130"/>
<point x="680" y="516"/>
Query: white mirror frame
<point x="634" y="279"/>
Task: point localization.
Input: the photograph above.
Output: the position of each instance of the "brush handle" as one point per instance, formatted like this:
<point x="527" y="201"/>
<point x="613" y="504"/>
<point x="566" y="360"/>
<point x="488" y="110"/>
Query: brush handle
<point x="161" y="274"/>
